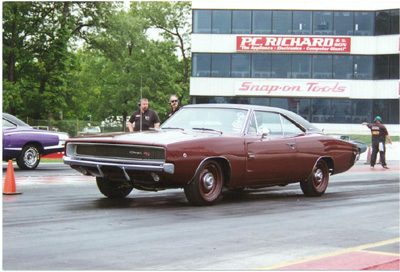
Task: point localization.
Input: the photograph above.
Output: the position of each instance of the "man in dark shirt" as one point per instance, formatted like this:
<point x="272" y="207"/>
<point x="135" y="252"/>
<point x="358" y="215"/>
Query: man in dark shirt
<point x="174" y="102"/>
<point x="148" y="117"/>
<point x="379" y="136"/>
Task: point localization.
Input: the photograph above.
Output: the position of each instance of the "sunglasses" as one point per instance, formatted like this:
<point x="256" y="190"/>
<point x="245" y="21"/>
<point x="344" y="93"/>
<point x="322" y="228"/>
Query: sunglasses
<point x="173" y="101"/>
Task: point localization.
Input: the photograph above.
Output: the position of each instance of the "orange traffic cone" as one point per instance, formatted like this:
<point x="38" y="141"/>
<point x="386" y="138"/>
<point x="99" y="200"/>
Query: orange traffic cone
<point x="9" y="184"/>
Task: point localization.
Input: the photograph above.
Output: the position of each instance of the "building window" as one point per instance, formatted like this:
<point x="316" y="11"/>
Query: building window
<point x="393" y="106"/>
<point x="261" y="66"/>
<point x="220" y="65"/>
<point x="323" y="23"/>
<point x="361" y="110"/>
<point x="321" y="110"/>
<point x="241" y="22"/>
<point x="301" y="67"/>
<point x="322" y="66"/>
<point x="221" y="21"/>
<point x="281" y="22"/>
<point x="201" y="65"/>
<point x="394" y="21"/>
<point x="394" y="66"/>
<point x="341" y="110"/>
<point x="364" y="23"/>
<point x="202" y="21"/>
<point x="240" y="65"/>
<point x="302" y="22"/>
<point x="382" y="22"/>
<point x="382" y="69"/>
<point x="262" y="21"/>
<point x="281" y="66"/>
<point x="343" y="24"/>
<point x="363" y="67"/>
<point x="342" y="67"/>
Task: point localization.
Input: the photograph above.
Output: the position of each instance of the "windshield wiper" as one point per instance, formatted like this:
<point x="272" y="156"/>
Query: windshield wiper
<point x="173" y="128"/>
<point x="208" y="129"/>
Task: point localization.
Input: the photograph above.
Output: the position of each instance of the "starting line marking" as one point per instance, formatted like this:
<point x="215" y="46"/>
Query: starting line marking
<point x="361" y="248"/>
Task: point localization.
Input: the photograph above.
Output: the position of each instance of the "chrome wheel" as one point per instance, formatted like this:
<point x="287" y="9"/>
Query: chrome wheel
<point x="29" y="158"/>
<point x="318" y="181"/>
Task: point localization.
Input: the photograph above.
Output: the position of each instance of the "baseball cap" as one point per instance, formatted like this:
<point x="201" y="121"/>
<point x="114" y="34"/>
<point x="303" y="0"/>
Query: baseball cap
<point x="378" y="118"/>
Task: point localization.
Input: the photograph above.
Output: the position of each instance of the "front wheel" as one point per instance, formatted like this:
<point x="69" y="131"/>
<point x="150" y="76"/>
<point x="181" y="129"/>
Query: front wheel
<point x="206" y="186"/>
<point x="318" y="181"/>
<point x="29" y="158"/>
<point x="113" y="189"/>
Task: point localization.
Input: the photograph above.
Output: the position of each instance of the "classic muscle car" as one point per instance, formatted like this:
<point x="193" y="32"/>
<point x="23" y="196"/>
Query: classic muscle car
<point x="26" y="144"/>
<point x="204" y="148"/>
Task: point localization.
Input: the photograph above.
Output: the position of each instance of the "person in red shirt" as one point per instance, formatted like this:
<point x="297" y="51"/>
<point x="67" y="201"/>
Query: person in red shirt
<point x="379" y="136"/>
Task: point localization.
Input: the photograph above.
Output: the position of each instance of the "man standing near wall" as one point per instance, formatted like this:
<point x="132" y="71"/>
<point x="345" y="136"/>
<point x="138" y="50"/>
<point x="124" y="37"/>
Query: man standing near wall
<point x="379" y="136"/>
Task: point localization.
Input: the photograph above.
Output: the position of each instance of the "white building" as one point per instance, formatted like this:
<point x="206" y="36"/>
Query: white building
<point x="336" y="63"/>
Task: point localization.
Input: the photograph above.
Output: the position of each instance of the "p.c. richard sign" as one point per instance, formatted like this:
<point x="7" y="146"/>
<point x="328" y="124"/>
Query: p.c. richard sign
<point x="293" y="44"/>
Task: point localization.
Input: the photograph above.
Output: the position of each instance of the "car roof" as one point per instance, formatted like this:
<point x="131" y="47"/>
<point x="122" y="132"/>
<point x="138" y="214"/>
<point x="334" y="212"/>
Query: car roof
<point x="295" y="117"/>
<point x="14" y="120"/>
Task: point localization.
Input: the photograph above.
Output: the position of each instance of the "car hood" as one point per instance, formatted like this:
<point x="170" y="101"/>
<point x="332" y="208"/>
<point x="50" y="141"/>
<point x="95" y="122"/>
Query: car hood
<point x="158" y="137"/>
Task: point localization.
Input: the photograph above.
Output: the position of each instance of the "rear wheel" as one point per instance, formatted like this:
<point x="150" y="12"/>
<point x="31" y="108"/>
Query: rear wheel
<point x="207" y="184"/>
<point x="113" y="189"/>
<point x="29" y="158"/>
<point x="318" y="181"/>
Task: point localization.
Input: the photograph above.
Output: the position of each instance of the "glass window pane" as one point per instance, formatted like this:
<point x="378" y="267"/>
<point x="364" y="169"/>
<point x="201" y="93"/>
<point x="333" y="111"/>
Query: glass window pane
<point x="344" y="23"/>
<point x="302" y="22"/>
<point x="364" y="23"/>
<point x="221" y="21"/>
<point x="290" y="128"/>
<point x="281" y="66"/>
<point x="241" y="22"/>
<point x="202" y="21"/>
<point x="280" y="103"/>
<point x="323" y="22"/>
<point x="363" y="67"/>
<point x="380" y="107"/>
<point x="382" y="67"/>
<point x="342" y="67"/>
<point x="394" y="21"/>
<point x="341" y="111"/>
<point x="270" y="121"/>
<point x="262" y="22"/>
<point x="300" y="106"/>
<point x="322" y="66"/>
<point x="382" y="21"/>
<point x="221" y="65"/>
<point x="393" y="112"/>
<point x="201" y="65"/>
<point x="394" y="66"/>
<point x="282" y="22"/>
<point x="240" y="65"/>
<point x="263" y="101"/>
<point x="301" y="66"/>
<point x="321" y="110"/>
<point x="261" y="66"/>
<point x="362" y="110"/>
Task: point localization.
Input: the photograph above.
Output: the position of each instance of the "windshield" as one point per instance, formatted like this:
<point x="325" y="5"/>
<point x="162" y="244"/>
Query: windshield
<point x="219" y="119"/>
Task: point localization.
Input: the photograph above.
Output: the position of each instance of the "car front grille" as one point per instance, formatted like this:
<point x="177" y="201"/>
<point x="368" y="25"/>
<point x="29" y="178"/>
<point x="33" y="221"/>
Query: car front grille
<point x="116" y="151"/>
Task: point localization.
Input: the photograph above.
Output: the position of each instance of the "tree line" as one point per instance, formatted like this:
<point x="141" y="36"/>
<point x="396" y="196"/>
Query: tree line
<point x="68" y="60"/>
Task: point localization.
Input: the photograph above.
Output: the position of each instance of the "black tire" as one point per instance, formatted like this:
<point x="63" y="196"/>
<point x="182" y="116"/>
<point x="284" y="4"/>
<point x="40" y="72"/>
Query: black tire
<point x="318" y="181"/>
<point x="29" y="158"/>
<point x="113" y="189"/>
<point x="207" y="184"/>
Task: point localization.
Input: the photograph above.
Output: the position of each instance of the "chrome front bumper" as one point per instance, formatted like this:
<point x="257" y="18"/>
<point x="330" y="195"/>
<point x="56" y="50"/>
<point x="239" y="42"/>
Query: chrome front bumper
<point x="168" y="168"/>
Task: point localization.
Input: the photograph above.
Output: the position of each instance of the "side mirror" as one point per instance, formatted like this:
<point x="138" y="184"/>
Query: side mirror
<point x="265" y="132"/>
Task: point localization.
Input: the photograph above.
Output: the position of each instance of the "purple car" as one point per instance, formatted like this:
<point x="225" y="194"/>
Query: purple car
<point x="26" y="144"/>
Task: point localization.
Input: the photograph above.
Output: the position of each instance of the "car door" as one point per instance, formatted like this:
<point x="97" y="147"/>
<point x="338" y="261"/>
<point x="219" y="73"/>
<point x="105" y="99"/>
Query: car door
<point x="271" y="155"/>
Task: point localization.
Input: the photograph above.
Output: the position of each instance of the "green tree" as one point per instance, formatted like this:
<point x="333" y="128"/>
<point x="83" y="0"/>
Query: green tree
<point x="37" y="55"/>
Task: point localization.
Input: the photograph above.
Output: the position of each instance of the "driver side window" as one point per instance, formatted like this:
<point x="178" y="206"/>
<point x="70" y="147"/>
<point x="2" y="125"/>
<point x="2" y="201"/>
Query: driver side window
<point x="269" y="121"/>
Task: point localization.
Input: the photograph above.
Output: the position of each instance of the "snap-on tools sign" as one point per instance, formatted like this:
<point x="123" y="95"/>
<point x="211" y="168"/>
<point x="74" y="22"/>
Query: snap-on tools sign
<point x="293" y="44"/>
<point x="284" y="88"/>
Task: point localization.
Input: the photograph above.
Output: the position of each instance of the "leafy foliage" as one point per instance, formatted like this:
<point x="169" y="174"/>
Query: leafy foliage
<point x="74" y="59"/>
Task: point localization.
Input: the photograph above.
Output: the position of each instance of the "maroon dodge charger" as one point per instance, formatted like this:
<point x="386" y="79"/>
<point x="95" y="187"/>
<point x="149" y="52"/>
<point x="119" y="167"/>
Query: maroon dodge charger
<point x="204" y="148"/>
